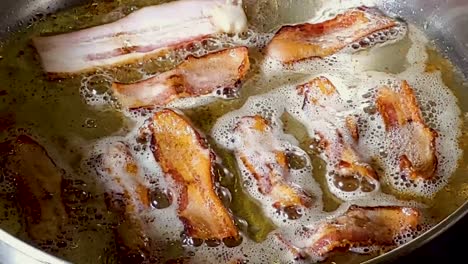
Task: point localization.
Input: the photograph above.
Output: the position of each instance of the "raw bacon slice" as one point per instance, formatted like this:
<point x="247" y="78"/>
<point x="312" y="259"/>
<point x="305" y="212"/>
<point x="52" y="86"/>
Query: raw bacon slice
<point x="184" y="157"/>
<point x="222" y="71"/>
<point x="39" y="193"/>
<point x="361" y="227"/>
<point x="262" y="156"/>
<point x="320" y="93"/>
<point x="304" y="41"/>
<point x="128" y="195"/>
<point x="140" y="35"/>
<point x="401" y="115"/>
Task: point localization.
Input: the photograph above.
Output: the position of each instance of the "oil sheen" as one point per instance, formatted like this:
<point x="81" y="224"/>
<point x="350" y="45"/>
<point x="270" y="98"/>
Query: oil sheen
<point x="77" y="118"/>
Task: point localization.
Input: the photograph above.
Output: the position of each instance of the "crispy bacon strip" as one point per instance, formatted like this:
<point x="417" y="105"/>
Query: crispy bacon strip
<point x="350" y="162"/>
<point x="39" y="190"/>
<point x="363" y="226"/>
<point x="194" y="77"/>
<point x="141" y="35"/>
<point x="268" y="164"/>
<point x="401" y="114"/>
<point x="183" y="156"/>
<point x="304" y="41"/>
<point x="127" y="195"/>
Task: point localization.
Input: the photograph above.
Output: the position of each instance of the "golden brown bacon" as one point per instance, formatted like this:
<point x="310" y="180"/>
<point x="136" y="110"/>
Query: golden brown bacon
<point x="350" y="162"/>
<point x="304" y="41"/>
<point x="267" y="164"/>
<point x="39" y="190"/>
<point x="401" y="114"/>
<point x="184" y="156"/>
<point x="361" y="227"/>
<point x="352" y="126"/>
<point x="223" y="70"/>
<point x="127" y="195"/>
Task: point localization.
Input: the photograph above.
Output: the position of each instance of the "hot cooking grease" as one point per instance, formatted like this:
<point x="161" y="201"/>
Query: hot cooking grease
<point x="77" y="119"/>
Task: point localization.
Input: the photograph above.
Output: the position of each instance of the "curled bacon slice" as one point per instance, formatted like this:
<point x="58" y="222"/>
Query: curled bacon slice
<point x="268" y="163"/>
<point x="128" y="195"/>
<point x="304" y="41"/>
<point x="221" y="71"/>
<point x="401" y="114"/>
<point x="350" y="162"/>
<point x="140" y="35"/>
<point x="39" y="193"/>
<point x="361" y="227"/>
<point x="183" y="156"/>
<point x="316" y="93"/>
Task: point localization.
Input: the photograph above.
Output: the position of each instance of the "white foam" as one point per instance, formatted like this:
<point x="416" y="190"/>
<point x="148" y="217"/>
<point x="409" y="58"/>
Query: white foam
<point x="357" y="87"/>
<point x="158" y="224"/>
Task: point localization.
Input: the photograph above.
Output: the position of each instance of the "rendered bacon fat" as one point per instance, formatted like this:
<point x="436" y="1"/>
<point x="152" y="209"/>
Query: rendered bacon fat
<point x="267" y="163"/>
<point x="401" y="115"/>
<point x="39" y="193"/>
<point x="183" y="156"/>
<point x="221" y="71"/>
<point x="138" y="36"/>
<point x="304" y="41"/>
<point x="363" y="226"/>
<point x="318" y="93"/>
<point x="127" y="195"/>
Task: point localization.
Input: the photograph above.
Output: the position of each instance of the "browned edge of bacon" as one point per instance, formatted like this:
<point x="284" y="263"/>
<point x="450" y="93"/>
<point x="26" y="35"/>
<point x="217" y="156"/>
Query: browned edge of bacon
<point x="351" y="163"/>
<point x="400" y="109"/>
<point x="184" y="156"/>
<point x="222" y="72"/>
<point x="120" y="167"/>
<point x="39" y="189"/>
<point x="362" y="227"/>
<point x="274" y="182"/>
<point x="298" y="42"/>
<point x="351" y="123"/>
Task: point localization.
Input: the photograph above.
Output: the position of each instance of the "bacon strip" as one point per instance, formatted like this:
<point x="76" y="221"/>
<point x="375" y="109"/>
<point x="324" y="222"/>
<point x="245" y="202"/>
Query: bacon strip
<point x="401" y="114"/>
<point x="316" y="93"/>
<point x="140" y="35"/>
<point x="361" y="227"/>
<point x="127" y="195"/>
<point x="222" y="71"/>
<point x="350" y="162"/>
<point x="304" y="41"/>
<point x="268" y="164"/>
<point x="39" y="189"/>
<point x="183" y="156"/>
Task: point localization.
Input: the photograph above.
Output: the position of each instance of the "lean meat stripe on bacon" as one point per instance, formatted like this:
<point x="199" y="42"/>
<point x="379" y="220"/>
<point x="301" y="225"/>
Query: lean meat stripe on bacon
<point x="184" y="157"/>
<point x="262" y="156"/>
<point x="304" y="41"/>
<point x="138" y="36"/>
<point x="402" y="116"/>
<point x="222" y="72"/>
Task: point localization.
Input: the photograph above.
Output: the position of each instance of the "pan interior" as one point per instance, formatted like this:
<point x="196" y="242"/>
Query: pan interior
<point x="58" y="111"/>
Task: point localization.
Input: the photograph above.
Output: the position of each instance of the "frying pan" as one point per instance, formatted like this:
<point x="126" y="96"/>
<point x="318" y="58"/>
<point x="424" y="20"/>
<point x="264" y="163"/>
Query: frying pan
<point x="444" y="21"/>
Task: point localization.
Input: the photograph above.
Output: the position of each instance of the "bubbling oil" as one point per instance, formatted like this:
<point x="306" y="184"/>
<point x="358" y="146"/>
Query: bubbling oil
<point x="77" y="118"/>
